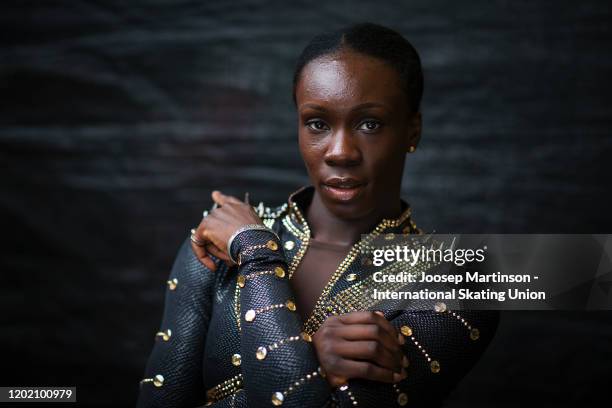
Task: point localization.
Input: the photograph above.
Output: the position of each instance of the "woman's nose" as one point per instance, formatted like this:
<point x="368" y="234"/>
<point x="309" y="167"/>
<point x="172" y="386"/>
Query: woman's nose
<point x="342" y="150"/>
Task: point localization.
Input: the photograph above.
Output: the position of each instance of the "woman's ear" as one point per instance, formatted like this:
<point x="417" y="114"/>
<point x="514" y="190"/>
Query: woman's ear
<point x="414" y="131"/>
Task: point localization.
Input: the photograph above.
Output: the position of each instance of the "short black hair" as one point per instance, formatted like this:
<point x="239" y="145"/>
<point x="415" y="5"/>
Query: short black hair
<point x="373" y="40"/>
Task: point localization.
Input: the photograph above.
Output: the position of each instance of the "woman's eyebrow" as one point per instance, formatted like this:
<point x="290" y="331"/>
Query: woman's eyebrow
<point x="313" y="106"/>
<point x="367" y="105"/>
<point x="361" y="106"/>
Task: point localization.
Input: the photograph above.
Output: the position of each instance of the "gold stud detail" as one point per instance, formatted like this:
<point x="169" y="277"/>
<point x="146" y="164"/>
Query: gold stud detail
<point x="351" y="277"/>
<point x="474" y="334"/>
<point x="261" y="353"/>
<point x="306" y="337"/>
<point x="435" y="367"/>
<point x="241" y="280"/>
<point x="406" y="331"/>
<point x="278" y="398"/>
<point x="236" y="359"/>
<point x="290" y="305"/>
<point x="158" y="380"/>
<point x="279" y="272"/>
<point x="402" y="399"/>
<point x="164" y="335"/>
<point x="440" y="307"/>
<point x="172" y="284"/>
<point x="389" y="236"/>
<point x="289" y="245"/>
<point x="249" y="316"/>
<point x="321" y="372"/>
<point x="272" y="245"/>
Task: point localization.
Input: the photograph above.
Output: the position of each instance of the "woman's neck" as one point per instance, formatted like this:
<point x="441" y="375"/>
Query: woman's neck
<point x="327" y="227"/>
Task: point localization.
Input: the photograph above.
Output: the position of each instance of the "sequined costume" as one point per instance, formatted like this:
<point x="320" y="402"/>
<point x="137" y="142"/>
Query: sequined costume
<point x="232" y="338"/>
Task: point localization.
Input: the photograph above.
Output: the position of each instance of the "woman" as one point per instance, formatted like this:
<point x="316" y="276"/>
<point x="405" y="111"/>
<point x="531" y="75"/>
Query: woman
<point x="268" y="319"/>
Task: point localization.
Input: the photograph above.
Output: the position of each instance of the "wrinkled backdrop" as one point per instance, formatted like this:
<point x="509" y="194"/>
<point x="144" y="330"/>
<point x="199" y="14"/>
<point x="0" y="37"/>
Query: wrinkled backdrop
<point x="118" y="118"/>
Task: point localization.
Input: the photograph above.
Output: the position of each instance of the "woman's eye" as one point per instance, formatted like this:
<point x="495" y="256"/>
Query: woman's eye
<point x="316" y="125"/>
<point x="370" y="125"/>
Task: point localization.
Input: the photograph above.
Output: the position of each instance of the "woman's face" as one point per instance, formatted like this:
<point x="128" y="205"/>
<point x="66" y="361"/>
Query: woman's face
<point x="355" y="128"/>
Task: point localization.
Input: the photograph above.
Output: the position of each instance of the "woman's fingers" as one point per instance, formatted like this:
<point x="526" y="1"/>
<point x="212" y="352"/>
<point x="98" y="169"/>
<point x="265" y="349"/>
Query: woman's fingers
<point x="367" y="317"/>
<point x="372" y="351"/>
<point x="213" y="250"/>
<point x="360" y="345"/>
<point x="383" y="330"/>
<point x="385" y="344"/>
<point x="367" y="371"/>
<point x="222" y="199"/>
<point x="203" y="256"/>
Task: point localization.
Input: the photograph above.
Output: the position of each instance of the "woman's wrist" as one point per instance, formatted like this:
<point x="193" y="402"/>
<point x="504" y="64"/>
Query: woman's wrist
<point x="232" y="241"/>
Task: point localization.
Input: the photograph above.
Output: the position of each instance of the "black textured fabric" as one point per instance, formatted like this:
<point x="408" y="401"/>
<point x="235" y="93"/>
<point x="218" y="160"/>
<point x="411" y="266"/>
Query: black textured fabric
<point x="203" y="317"/>
<point x="187" y="314"/>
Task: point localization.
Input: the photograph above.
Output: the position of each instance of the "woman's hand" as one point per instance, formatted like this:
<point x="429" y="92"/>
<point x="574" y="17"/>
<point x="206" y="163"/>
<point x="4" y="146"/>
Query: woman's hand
<point x="218" y="227"/>
<point x="360" y="345"/>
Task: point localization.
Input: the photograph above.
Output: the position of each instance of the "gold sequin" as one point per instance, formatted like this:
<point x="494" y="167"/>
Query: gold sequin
<point x="241" y="280"/>
<point x="278" y="398"/>
<point x="435" y="367"/>
<point x="474" y="334"/>
<point x="306" y="337"/>
<point x="236" y="359"/>
<point x="321" y="372"/>
<point x="249" y="316"/>
<point x="289" y="245"/>
<point x="402" y="399"/>
<point x="272" y="245"/>
<point x="290" y="305"/>
<point x="440" y="307"/>
<point x="165" y="336"/>
<point x="172" y="284"/>
<point x="351" y="277"/>
<point x="279" y="272"/>
<point x="406" y="331"/>
<point x="261" y="353"/>
<point x="158" y="380"/>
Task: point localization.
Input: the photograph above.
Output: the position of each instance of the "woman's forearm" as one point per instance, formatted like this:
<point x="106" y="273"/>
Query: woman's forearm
<point x="279" y="363"/>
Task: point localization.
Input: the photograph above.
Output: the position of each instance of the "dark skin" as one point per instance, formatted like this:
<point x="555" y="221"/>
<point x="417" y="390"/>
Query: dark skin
<point x="355" y="128"/>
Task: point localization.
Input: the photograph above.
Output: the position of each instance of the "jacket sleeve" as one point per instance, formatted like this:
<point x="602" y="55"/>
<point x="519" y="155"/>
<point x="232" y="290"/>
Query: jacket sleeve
<point x="279" y="363"/>
<point x="173" y="374"/>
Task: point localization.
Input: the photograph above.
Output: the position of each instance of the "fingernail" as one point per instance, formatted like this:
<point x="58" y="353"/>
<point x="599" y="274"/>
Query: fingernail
<point x="400" y="339"/>
<point x="378" y="312"/>
<point x="405" y="362"/>
<point x="397" y="377"/>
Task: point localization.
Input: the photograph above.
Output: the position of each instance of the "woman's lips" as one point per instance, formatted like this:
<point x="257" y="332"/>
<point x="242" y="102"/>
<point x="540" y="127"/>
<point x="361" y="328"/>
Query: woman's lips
<point x="344" y="194"/>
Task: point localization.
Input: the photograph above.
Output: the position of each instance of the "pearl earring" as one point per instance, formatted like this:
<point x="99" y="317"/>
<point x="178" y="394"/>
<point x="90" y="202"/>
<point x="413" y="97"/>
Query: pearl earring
<point x="412" y="149"/>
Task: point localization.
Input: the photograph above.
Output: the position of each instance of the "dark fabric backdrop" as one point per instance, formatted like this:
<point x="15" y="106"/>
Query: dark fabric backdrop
<point x="118" y="118"/>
